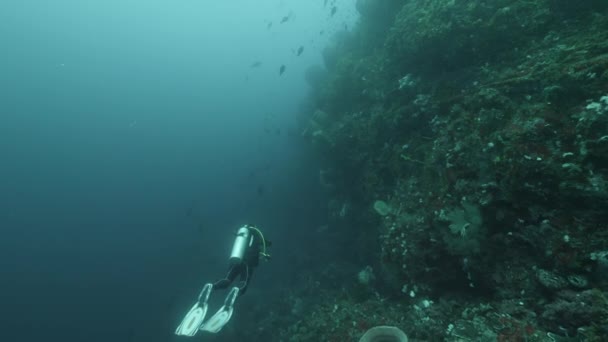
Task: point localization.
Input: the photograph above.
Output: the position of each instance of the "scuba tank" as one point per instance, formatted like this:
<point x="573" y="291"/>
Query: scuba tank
<point x="241" y="244"/>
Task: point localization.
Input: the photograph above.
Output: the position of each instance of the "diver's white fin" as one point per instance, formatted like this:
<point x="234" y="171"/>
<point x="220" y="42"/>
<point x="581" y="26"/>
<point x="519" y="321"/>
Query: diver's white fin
<point x="222" y="316"/>
<point x="194" y="318"/>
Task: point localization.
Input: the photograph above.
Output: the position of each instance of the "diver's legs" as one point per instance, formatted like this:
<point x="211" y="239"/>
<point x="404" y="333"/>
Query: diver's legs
<point x="233" y="272"/>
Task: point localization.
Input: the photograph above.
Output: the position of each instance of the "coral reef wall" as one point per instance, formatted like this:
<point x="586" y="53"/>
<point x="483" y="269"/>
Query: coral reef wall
<point x="482" y="129"/>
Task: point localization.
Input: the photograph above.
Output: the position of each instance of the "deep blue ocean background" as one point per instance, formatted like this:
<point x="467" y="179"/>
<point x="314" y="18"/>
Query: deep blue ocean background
<point x="135" y="138"/>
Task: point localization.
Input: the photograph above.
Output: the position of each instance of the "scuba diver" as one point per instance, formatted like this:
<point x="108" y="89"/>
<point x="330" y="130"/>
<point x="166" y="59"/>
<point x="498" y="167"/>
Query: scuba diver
<point x="249" y="246"/>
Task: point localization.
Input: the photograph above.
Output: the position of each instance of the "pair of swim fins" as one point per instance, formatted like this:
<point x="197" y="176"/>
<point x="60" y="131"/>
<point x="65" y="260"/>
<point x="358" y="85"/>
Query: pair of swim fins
<point x="194" y="320"/>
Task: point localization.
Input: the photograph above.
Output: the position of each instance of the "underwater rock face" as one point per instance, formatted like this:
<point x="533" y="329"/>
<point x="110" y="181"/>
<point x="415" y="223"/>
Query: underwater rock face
<point x="570" y="8"/>
<point x="451" y="35"/>
<point x="338" y="44"/>
<point x="483" y="126"/>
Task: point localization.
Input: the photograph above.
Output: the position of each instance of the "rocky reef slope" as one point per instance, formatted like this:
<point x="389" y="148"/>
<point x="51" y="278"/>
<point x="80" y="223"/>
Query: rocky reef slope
<point x="466" y="153"/>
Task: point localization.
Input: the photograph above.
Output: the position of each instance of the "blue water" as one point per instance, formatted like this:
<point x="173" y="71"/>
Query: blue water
<point x="134" y="139"/>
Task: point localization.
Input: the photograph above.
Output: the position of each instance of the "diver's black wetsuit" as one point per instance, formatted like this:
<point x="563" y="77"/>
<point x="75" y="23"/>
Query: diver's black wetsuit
<point x="243" y="268"/>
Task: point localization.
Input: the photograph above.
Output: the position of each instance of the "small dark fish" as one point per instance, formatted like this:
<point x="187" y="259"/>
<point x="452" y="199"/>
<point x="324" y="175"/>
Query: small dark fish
<point x="261" y="190"/>
<point x="345" y="27"/>
<point x="255" y="64"/>
<point x="281" y="70"/>
<point x="269" y="25"/>
<point x="334" y="10"/>
<point x="300" y="50"/>
<point x="285" y="19"/>
<point x="321" y="33"/>
<point x="277" y="131"/>
<point x="324" y="3"/>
